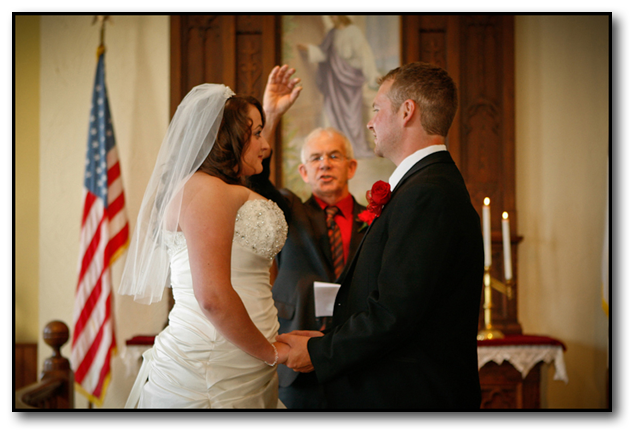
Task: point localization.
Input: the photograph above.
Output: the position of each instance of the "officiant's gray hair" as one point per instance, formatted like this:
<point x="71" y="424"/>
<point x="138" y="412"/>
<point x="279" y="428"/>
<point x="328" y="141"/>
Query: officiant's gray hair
<point x="332" y="133"/>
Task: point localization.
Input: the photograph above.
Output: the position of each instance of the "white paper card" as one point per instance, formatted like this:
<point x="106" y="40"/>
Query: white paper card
<point x="324" y="295"/>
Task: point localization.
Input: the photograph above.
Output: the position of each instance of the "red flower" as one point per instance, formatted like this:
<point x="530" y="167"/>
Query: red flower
<point x="377" y="197"/>
<point x="366" y="217"/>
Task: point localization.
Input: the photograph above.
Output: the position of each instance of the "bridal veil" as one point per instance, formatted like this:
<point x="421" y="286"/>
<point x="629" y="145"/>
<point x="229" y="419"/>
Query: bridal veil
<point x="188" y="141"/>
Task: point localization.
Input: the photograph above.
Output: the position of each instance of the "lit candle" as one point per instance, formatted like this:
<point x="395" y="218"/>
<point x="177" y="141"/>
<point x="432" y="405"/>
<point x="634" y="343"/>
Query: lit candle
<point x="486" y="223"/>
<point x="508" y="269"/>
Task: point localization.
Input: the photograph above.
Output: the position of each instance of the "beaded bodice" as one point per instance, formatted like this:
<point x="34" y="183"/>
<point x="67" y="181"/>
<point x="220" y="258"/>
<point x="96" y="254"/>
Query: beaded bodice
<point x="260" y="225"/>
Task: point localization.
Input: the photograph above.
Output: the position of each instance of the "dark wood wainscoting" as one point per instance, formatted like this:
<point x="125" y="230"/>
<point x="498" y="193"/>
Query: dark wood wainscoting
<point x="25" y="364"/>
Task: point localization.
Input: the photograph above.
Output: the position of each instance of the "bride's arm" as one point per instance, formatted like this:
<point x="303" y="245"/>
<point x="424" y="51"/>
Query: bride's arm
<point x="281" y="91"/>
<point x="207" y="219"/>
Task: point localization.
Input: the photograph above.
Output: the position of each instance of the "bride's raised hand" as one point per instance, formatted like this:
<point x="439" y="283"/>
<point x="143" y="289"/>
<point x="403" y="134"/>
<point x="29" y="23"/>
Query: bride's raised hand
<point x="281" y="91"/>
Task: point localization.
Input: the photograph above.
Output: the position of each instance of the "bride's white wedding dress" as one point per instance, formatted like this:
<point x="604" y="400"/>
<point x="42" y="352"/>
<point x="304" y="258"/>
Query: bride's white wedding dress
<point x="193" y="366"/>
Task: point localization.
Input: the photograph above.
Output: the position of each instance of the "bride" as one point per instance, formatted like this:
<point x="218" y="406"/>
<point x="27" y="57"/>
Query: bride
<point x="202" y="231"/>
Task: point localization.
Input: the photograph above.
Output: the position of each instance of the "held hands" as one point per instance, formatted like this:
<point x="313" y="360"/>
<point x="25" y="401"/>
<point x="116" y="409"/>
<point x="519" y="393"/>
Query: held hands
<point x="298" y="358"/>
<point x="281" y="91"/>
<point x="283" y="351"/>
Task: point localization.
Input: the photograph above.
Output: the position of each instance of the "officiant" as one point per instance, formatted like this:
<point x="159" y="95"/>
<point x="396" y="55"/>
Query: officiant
<point x="323" y="234"/>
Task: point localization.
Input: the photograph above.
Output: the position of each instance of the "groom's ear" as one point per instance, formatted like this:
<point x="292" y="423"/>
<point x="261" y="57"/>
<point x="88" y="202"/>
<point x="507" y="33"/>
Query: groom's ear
<point x="407" y="110"/>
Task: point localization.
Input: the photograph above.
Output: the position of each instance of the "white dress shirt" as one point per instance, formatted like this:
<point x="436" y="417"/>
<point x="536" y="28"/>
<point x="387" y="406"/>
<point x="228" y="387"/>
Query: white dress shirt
<point x="410" y="161"/>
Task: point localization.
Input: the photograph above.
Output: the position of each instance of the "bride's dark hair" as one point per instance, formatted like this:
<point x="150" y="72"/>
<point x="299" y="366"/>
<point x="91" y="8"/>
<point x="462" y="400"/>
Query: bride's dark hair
<point x="224" y="160"/>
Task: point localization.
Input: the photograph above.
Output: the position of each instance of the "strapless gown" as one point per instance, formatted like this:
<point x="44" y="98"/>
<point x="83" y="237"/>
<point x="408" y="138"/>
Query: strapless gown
<point x="193" y="366"/>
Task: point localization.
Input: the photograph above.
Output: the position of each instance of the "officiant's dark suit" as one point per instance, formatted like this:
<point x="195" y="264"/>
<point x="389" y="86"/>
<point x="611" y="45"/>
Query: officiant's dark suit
<point x="405" y="318"/>
<point x="304" y="259"/>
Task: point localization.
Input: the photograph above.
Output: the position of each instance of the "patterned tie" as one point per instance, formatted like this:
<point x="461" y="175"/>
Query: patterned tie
<point x="336" y="243"/>
<point x="336" y="247"/>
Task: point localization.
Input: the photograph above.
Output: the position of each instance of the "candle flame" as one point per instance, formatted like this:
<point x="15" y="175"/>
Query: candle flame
<point x="505" y="215"/>
<point x="486" y="201"/>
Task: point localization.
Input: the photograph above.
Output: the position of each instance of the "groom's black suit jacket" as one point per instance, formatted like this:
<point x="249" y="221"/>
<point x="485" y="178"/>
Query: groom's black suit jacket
<point x="304" y="259"/>
<point x="405" y="319"/>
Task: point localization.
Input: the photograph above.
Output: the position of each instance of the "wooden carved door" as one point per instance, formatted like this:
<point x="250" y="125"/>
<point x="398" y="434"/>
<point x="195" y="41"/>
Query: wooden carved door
<point x="236" y="50"/>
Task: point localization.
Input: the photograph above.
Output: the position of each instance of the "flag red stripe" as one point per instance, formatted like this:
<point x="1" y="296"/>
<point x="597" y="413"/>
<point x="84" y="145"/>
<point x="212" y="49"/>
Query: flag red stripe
<point x="116" y="205"/>
<point x="104" y="371"/>
<point x="88" y="307"/>
<point x="116" y="242"/>
<point x="90" y="355"/>
<point x="90" y="198"/>
<point x="90" y="252"/>
<point x="113" y="172"/>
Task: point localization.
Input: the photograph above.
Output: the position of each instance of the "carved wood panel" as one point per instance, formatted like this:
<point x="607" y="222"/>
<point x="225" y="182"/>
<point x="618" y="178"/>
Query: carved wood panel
<point x="504" y="388"/>
<point x="236" y="50"/>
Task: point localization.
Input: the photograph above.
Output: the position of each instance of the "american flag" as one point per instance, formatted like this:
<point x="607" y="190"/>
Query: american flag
<point x="104" y="235"/>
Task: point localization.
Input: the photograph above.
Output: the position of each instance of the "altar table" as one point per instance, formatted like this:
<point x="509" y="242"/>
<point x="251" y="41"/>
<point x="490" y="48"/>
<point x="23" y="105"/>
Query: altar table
<point x="509" y="369"/>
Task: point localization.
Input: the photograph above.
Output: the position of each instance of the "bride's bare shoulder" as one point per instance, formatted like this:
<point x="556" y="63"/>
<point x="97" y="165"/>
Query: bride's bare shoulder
<point x="208" y="188"/>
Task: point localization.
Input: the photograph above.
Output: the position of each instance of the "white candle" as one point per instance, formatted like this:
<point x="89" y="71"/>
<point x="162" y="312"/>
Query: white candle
<point x="508" y="268"/>
<point x="486" y="229"/>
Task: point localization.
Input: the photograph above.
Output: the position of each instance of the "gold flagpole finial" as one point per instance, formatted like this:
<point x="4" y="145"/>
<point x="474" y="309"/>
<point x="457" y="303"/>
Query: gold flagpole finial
<point x="101" y="19"/>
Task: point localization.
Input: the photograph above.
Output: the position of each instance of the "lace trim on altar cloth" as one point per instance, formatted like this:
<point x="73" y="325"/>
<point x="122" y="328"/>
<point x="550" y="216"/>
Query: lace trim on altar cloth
<point x="524" y="358"/>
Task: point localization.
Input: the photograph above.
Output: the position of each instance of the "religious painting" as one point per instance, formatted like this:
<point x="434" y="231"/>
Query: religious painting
<point x="339" y="59"/>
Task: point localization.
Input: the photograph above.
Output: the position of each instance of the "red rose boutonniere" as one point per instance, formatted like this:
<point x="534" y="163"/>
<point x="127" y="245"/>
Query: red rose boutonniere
<point x="366" y="217"/>
<point x="377" y="197"/>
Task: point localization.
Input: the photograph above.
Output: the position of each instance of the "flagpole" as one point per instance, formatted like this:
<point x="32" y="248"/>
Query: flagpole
<point x="101" y="49"/>
<point x="101" y="19"/>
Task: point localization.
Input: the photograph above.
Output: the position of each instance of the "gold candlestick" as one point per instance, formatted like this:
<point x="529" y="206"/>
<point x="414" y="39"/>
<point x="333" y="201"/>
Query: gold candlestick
<point x="489" y="331"/>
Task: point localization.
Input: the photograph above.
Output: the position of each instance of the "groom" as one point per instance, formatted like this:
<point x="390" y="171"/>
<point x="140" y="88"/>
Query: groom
<point x="405" y="318"/>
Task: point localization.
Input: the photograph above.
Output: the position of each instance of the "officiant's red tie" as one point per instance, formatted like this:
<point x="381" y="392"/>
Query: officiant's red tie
<point x="336" y="243"/>
<point x="336" y="247"/>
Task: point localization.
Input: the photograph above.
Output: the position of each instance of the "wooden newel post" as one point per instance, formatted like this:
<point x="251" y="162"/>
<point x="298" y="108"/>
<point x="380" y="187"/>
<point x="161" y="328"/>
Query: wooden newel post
<point x="56" y="334"/>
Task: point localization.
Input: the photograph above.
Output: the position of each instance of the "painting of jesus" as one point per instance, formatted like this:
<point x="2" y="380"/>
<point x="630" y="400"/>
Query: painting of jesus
<point x="339" y="59"/>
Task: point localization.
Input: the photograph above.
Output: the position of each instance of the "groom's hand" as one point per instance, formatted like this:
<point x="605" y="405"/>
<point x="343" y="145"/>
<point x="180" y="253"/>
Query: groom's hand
<point x="307" y="333"/>
<point x="298" y="357"/>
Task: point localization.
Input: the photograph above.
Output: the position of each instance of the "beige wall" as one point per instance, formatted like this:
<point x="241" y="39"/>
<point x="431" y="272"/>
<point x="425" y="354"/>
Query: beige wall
<point x="562" y="137"/>
<point x="27" y="178"/>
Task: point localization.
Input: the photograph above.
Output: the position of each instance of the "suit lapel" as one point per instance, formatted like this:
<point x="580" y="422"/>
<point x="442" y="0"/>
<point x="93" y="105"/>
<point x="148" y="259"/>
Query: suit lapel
<point x="355" y="246"/>
<point x="357" y="233"/>
<point x="436" y="157"/>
